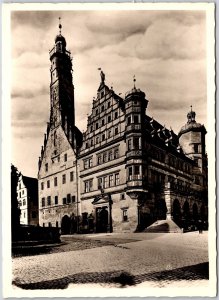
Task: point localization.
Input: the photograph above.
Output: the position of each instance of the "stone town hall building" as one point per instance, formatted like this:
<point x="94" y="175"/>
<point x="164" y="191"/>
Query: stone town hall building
<point x="126" y="171"/>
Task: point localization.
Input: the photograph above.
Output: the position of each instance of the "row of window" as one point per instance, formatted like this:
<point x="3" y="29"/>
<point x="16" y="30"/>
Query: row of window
<point x="103" y="157"/>
<point x="21" y="193"/>
<point x="124" y="218"/>
<point x="133" y="119"/>
<point x="22" y="202"/>
<point x="103" y="182"/>
<point x="66" y="200"/>
<point x="108" y="155"/>
<point x="171" y="160"/>
<point x="103" y="121"/>
<point x="102" y="137"/>
<point x="103" y="107"/>
<point x="65" y="159"/>
<point x="71" y="178"/>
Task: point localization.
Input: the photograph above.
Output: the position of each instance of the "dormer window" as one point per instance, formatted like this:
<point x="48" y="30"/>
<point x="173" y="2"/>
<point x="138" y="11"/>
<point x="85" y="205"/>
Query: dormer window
<point x="102" y="94"/>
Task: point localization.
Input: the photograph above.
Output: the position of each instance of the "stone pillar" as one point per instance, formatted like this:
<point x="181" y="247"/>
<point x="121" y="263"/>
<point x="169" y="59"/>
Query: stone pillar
<point x="168" y="200"/>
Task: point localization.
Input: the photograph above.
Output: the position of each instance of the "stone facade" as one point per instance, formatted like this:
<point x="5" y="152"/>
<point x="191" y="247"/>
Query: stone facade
<point x="27" y="196"/>
<point x="128" y="170"/>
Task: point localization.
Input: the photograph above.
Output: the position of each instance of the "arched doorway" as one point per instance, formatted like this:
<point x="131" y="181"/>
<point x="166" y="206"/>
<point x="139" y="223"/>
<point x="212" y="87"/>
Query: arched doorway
<point x="160" y="209"/>
<point x="186" y="215"/>
<point x="102" y="219"/>
<point x="66" y="225"/>
<point x="177" y="212"/>
<point x="202" y="212"/>
<point x="195" y="212"/>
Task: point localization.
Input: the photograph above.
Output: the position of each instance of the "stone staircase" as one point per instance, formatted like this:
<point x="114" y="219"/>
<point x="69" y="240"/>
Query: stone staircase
<point x="163" y="226"/>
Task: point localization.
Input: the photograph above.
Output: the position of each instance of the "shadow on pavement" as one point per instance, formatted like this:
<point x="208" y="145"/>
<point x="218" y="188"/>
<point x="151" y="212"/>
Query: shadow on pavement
<point x="194" y="272"/>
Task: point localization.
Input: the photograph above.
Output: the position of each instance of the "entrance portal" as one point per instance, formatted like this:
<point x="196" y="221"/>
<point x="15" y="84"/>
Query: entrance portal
<point x="177" y="212"/>
<point x="66" y="225"/>
<point x="160" y="209"/>
<point x="102" y="220"/>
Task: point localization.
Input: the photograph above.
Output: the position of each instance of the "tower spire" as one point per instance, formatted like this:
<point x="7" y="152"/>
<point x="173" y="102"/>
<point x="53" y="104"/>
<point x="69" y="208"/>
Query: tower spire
<point x="60" y="26"/>
<point x="134" y="80"/>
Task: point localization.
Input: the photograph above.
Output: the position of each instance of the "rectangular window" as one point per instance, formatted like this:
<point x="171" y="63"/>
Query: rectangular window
<point x="116" y="153"/>
<point x="64" y="200"/>
<point x="122" y="196"/>
<point x="136" y="143"/>
<point x="56" y="200"/>
<point x="105" y="182"/>
<point x="88" y="186"/>
<point x="85" y="164"/>
<point x="100" y="182"/>
<point x="24" y="214"/>
<point x="125" y="215"/>
<point x="129" y="120"/>
<point x="48" y="200"/>
<point x="136" y="119"/>
<point x="130" y="173"/>
<point x="196" y="148"/>
<point x="46" y="167"/>
<point x="109" y="119"/>
<point x="99" y="159"/>
<point x="57" y="224"/>
<point x="116" y="115"/>
<point x="22" y="192"/>
<point x="24" y="202"/>
<point x="90" y="162"/>
<point x="65" y="157"/>
<point x="117" y="179"/>
<point x="73" y="199"/>
<point x="71" y="176"/>
<point x="129" y="144"/>
<point x="110" y="155"/>
<point x="116" y="130"/>
<point x="63" y="179"/>
<point x="48" y="184"/>
<point x="55" y="181"/>
<point x="69" y="198"/>
<point x="110" y="180"/>
<point x="104" y="157"/>
<point x="42" y="185"/>
<point x="43" y="202"/>
<point x="136" y="170"/>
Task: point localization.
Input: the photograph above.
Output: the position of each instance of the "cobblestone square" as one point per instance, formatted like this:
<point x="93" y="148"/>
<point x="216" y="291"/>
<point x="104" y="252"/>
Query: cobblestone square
<point x="117" y="260"/>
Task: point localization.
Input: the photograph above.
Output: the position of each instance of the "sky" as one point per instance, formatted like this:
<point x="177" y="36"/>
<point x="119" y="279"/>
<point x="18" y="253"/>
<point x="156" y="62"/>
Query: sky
<point x="165" y="50"/>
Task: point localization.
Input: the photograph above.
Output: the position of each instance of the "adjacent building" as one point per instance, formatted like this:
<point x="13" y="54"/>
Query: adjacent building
<point x="126" y="171"/>
<point x="27" y="196"/>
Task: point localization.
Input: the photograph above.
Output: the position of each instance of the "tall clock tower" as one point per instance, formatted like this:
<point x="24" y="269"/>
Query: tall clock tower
<point x="61" y="88"/>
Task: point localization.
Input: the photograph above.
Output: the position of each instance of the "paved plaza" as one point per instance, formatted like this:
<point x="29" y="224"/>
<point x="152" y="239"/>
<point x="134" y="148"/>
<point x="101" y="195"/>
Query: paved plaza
<point x="117" y="260"/>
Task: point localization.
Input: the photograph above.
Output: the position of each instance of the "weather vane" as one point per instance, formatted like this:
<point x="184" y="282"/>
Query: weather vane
<point x="191" y="107"/>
